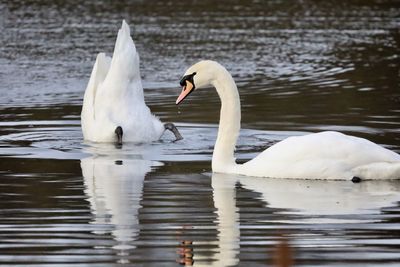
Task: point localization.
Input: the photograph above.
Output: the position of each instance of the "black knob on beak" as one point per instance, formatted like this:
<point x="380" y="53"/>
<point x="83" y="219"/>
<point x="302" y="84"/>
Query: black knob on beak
<point x="189" y="78"/>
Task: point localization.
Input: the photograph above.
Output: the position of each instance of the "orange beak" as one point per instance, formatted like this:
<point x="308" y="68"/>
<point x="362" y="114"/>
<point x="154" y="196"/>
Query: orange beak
<point x="186" y="90"/>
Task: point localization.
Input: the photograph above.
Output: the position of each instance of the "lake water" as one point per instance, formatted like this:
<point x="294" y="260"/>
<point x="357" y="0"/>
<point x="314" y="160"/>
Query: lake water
<point x="301" y="66"/>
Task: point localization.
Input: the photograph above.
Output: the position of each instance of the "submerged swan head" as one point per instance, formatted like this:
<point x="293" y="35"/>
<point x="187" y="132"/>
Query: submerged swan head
<point x="201" y="74"/>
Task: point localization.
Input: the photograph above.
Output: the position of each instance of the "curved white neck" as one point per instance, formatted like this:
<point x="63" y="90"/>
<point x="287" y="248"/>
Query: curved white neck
<point x="223" y="159"/>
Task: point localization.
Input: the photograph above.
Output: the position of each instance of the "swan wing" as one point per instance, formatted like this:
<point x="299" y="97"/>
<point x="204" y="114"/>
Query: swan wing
<point x="123" y="78"/>
<point x="99" y="72"/>
<point x="120" y="97"/>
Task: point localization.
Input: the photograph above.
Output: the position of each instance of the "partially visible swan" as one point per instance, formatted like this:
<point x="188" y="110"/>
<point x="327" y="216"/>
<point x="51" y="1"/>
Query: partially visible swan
<point x="325" y="155"/>
<point x="113" y="106"/>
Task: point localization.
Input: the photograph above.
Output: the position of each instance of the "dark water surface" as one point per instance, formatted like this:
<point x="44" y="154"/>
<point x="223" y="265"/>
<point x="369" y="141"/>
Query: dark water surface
<point x="301" y="66"/>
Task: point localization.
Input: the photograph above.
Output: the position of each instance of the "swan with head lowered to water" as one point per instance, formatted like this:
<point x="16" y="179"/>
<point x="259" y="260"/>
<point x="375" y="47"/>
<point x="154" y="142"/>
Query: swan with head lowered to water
<point x="113" y="107"/>
<point x="325" y="155"/>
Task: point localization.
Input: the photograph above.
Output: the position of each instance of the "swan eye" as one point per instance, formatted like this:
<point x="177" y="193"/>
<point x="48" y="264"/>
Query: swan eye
<point x="189" y="78"/>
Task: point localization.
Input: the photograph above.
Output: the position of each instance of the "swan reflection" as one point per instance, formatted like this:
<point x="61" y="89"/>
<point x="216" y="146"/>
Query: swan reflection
<point x="224" y="196"/>
<point x="114" y="187"/>
<point x="311" y="201"/>
<point x="227" y="223"/>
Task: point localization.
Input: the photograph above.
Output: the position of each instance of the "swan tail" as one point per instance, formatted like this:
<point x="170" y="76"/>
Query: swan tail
<point x="378" y="171"/>
<point x="125" y="61"/>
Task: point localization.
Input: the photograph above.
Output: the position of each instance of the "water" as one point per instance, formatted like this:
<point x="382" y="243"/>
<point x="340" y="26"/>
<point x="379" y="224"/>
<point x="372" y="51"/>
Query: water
<point x="301" y="66"/>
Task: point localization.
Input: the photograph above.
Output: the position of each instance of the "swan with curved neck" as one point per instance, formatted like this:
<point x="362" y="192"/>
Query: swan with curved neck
<point x="113" y="107"/>
<point x="325" y="155"/>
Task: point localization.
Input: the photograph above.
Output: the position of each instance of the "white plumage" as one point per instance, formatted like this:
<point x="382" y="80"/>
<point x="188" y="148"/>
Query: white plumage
<point x="114" y="97"/>
<point x="325" y="155"/>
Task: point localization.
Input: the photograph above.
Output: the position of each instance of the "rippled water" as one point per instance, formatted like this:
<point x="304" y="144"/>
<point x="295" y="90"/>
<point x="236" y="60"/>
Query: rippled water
<point x="301" y="66"/>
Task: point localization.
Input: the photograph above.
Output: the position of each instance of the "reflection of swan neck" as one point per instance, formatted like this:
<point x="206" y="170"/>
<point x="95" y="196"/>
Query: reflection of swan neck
<point x="224" y="196"/>
<point x="229" y="123"/>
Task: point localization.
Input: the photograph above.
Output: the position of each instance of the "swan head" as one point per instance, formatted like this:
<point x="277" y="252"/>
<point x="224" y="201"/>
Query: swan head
<point x="201" y="74"/>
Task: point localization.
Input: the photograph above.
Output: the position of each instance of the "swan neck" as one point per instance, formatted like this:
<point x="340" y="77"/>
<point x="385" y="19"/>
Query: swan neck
<point x="229" y="124"/>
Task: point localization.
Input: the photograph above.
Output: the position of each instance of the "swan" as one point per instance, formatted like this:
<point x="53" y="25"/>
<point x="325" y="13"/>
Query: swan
<point x="326" y="155"/>
<point x="113" y="106"/>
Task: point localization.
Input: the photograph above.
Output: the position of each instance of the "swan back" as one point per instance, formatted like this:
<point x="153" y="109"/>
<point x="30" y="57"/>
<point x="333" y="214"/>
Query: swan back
<point x="324" y="155"/>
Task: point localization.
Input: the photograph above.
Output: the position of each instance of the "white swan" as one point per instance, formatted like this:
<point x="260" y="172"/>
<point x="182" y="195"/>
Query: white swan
<point x="113" y="106"/>
<point x="325" y="155"/>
